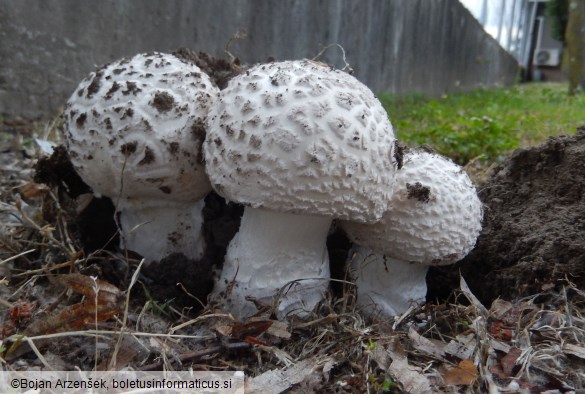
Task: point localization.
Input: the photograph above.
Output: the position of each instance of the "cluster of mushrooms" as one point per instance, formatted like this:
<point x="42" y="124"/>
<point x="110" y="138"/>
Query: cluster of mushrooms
<point x="299" y="144"/>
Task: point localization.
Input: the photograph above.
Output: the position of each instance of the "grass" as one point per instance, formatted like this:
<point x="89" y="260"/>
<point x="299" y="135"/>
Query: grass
<point x="486" y="123"/>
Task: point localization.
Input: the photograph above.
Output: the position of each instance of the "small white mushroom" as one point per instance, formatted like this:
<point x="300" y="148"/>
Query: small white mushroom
<point x="433" y="218"/>
<point x="134" y="130"/>
<point x="298" y="143"/>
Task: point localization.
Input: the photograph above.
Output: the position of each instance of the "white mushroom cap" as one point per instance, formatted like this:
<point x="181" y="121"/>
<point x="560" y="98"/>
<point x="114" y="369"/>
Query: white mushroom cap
<point x="135" y="127"/>
<point x="134" y="131"/>
<point x="302" y="138"/>
<point x="434" y="216"/>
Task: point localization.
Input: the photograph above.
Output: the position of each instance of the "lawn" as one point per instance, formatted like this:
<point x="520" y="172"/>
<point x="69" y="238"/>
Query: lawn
<point x="486" y="123"/>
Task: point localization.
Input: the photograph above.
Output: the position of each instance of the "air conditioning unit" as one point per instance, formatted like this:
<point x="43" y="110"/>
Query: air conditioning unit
<point x="547" y="57"/>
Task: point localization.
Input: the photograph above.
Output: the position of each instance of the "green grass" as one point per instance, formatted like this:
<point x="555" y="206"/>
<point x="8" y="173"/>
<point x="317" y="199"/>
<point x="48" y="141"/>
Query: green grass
<point x="485" y="123"/>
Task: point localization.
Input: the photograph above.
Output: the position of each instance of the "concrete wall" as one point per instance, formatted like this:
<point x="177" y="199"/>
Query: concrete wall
<point x="434" y="46"/>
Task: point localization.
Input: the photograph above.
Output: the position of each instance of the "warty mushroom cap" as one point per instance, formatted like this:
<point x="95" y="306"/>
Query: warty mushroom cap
<point x="303" y="138"/>
<point x="135" y="127"/>
<point x="434" y="216"/>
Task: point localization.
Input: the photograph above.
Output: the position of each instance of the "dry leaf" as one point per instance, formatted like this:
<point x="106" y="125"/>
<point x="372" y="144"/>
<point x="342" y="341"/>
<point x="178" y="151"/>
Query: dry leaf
<point x="329" y="365"/>
<point x="425" y="345"/>
<point x="224" y="330"/>
<point x="73" y="317"/>
<point x="255" y="341"/>
<point x="250" y="329"/>
<point x="574" y="350"/>
<point x="281" y="380"/>
<point x="410" y="377"/>
<point x="88" y="286"/>
<point x="462" y="347"/>
<point x="499" y="346"/>
<point x="482" y="310"/>
<point x="395" y="361"/>
<point x="500" y="330"/>
<point x="78" y="316"/>
<point x="508" y="362"/>
<point x="500" y="308"/>
<point x="464" y="374"/>
<point x="279" y="329"/>
<point x="17" y="316"/>
<point x="21" y="310"/>
<point x="32" y="190"/>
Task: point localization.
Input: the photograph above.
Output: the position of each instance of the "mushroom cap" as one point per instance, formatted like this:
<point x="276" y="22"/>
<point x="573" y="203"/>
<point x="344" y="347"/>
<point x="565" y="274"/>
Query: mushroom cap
<point x="134" y="129"/>
<point x="434" y="216"/>
<point x="301" y="137"/>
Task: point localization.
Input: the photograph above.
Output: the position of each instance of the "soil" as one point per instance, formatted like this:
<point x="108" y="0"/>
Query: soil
<point x="163" y="102"/>
<point x="534" y="225"/>
<point x="418" y="192"/>
<point x="220" y="70"/>
<point x="57" y="170"/>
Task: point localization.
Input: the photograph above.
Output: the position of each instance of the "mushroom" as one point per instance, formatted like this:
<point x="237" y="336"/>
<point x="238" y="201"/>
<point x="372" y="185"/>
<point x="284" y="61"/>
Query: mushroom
<point x="433" y="218"/>
<point x="298" y="143"/>
<point x="134" y="130"/>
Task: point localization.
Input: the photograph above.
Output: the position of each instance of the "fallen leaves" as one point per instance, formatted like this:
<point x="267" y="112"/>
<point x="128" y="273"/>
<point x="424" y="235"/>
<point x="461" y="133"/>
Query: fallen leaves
<point x="411" y="378"/>
<point x="33" y="190"/>
<point x="508" y="347"/>
<point x="307" y="373"/>
<point x="464" y="374"/>
<point x="100" y="303"/>
<point x="96" y="290"/>
<point x="574" y="350"/>
<point x="17" y="316"/>
<point x="249" y="329"/>
<point x="506" y="364"/>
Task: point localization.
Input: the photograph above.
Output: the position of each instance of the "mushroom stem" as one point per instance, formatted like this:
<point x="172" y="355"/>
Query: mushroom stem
<point x="156" y="231"/>
<point x="275" y="252"/>
<point x="386" y="286"/>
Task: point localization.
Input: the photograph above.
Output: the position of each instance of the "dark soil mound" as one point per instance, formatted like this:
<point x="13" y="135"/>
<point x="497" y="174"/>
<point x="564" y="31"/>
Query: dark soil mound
<point x="534" y="226"/>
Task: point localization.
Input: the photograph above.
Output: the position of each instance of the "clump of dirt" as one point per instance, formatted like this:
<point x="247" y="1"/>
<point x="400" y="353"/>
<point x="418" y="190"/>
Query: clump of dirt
<point x="93" y="223"/>
<point x="419" y="192"/>
<point x="163" y="102"/>
<point x="56" y="170"/>
<point x="220" y="70"/>
<point x="534" y="226"/>
<point x="189" y="282"/>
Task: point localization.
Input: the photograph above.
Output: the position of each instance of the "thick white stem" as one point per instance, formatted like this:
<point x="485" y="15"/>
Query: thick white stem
<point x="386" y="287"/>
<point x="276" y="254"/>
<point x="155" y="231"/>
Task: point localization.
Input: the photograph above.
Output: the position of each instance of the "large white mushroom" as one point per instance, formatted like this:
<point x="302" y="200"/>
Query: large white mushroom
<point x="299" y="143"/>
<point x="433" y="218"/>
<point x="134" y="131"/>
